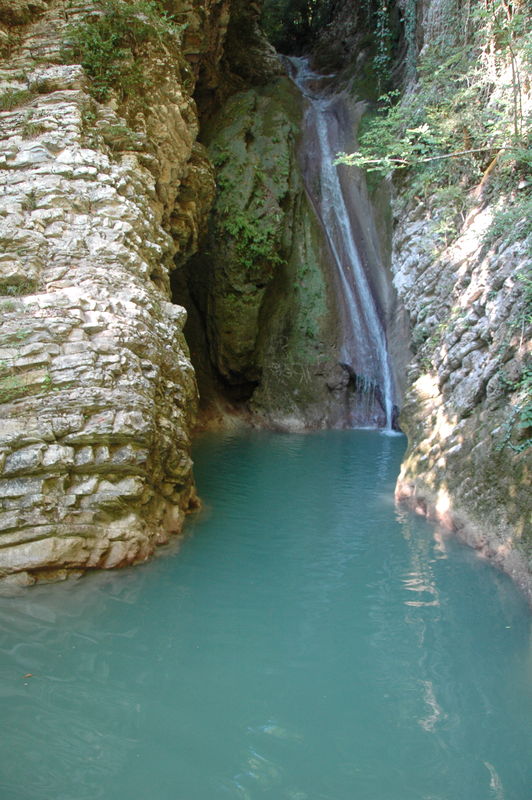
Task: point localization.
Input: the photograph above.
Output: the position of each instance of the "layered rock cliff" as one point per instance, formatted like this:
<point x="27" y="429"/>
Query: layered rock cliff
<point x="102" y="190"/>
<point x="108" y="193"/>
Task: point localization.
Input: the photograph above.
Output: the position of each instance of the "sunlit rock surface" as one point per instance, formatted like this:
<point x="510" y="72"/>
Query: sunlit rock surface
<point x="468" y="459"/>
<point x="97" y="393"/>
<point x="468" y="462"/>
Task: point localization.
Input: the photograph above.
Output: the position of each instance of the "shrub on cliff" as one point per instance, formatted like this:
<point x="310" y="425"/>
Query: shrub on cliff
<point x="462" y="119"/>
<point x="109" y="42"/>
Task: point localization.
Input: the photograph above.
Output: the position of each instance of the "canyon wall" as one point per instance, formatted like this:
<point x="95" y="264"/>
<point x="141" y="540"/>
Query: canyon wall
<point x="468" y="458"/>
<point x="116" y="212"/>
<point x="107" y="195"/>
<point x="102" y="191"/>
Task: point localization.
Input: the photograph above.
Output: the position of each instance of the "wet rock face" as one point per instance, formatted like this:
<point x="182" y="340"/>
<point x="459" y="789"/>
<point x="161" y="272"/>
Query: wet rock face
<point x="263" y="284"/>
<point x="250" y="143"/>
<point x="97" y="393"/>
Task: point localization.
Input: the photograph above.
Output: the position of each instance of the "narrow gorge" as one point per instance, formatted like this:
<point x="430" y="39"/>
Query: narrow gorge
<point x="265" y="411"/>
<point x="176" y="237"/>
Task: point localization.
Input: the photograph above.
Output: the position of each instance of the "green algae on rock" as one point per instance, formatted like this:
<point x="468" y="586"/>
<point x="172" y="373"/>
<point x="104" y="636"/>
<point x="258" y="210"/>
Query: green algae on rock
<point x="262" y="280"/>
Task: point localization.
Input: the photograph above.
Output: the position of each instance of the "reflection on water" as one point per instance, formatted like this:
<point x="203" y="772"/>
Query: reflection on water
<point x="305" y="641"/>
<point x="435" y="713"/>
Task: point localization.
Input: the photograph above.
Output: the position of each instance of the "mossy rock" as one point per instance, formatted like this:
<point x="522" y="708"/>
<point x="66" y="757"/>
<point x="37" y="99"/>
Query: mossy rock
<point x="251" y="143"/>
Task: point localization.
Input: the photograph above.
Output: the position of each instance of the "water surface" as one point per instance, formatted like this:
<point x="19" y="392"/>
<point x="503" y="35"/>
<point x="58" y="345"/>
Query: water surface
<point x="304" y="642"/>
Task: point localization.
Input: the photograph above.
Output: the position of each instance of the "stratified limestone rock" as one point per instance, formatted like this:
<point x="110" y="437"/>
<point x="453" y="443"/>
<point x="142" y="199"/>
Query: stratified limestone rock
<point x="468" y="463"/>
<point x="97" y="393"/>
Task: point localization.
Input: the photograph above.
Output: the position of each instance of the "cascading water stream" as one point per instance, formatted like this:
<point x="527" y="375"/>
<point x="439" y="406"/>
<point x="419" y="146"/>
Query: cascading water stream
<point x="364" y="350"/>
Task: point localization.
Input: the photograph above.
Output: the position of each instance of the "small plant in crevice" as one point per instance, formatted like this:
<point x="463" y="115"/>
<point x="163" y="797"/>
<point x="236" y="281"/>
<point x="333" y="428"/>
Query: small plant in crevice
<point x="31" y="127"/>
<point x="13" y="98"/>
<point x="512" y="221"/>
<point x="8" y="307"/>
<point x="10" y="385"/>
<point x="118" y="136"/>
<point x="16" y="289"/>
<point x="518" y="426"/>
<point x="30" y="201"/>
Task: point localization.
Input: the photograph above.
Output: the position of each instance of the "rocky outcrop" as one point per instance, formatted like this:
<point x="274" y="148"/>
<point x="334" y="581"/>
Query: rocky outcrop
<point x="468" y="462"/>
<point x="97" y="393"/>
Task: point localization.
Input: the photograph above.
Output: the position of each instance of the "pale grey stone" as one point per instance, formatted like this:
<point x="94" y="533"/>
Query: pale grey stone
<point x="18" y="487"/>
<point x="24" y="460"/>
<point x="56" y="454"/>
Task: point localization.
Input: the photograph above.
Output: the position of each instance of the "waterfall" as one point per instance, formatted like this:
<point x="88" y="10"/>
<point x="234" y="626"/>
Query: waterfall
<point x="364" y="351"/>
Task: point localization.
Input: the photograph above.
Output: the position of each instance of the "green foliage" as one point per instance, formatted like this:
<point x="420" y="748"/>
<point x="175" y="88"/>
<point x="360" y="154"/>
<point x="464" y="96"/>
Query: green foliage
<point x="410" y="14"/>
<point x="30" y="127"/>
<point x="119" y="136"/>
<point x="16" y="289"/>
<point x="12" y="98"/>
<point x="10" y="385"/>
<point x="518" y="433"/>
<point x="30" y="201"/>
<point x="463" y="121"/>
<point x="382" y="60"/>
<point x="512" y="221"/>
<point x="8" y="307"/>
<point x="109" y="44"/>
<point x="256" y="240"/>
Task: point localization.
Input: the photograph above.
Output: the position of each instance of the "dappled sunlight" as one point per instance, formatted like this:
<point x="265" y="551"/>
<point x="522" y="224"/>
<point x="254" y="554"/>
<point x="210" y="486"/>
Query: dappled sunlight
<point x="466" y="247"/>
